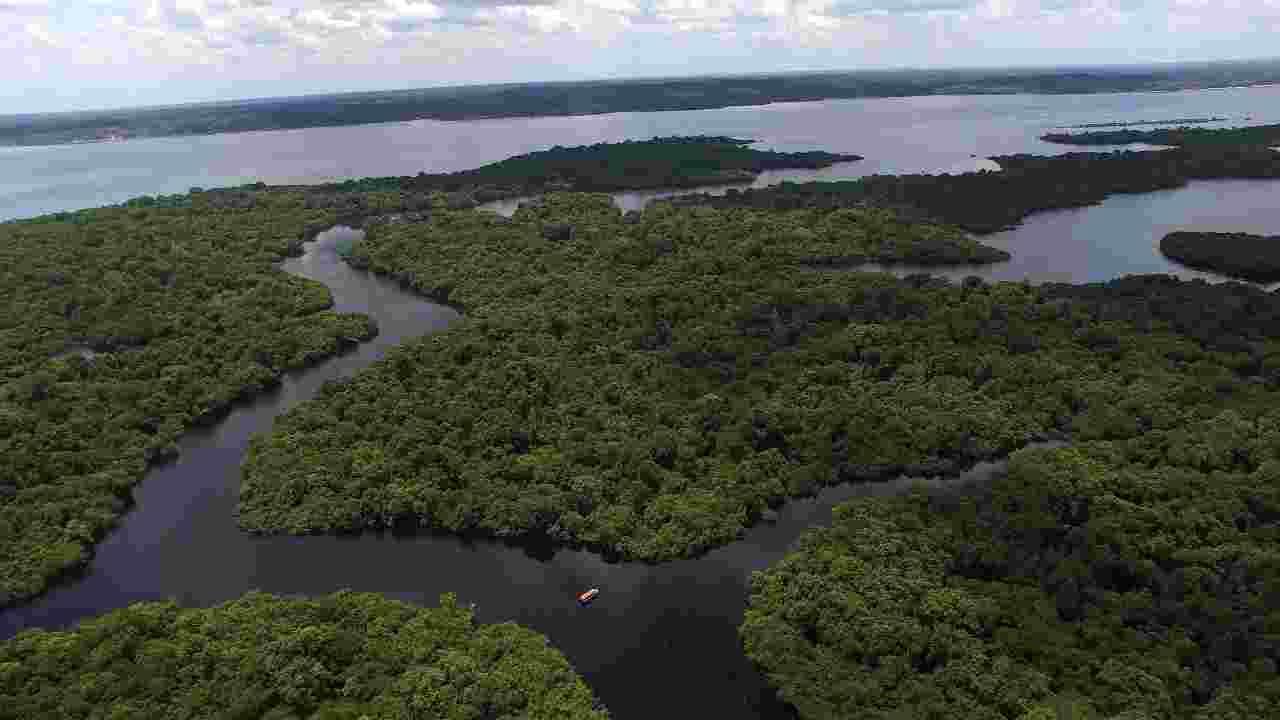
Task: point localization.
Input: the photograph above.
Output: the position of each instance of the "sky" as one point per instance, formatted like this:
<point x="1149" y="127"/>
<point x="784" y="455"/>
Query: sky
<point x="84" y="54"/>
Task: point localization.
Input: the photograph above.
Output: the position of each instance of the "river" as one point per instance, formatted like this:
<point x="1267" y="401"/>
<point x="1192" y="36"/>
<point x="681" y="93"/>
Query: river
<point x="661" y="640"/>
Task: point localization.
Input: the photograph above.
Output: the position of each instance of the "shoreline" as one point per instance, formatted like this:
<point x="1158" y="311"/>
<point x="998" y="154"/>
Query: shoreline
<point x="482" y="117"/>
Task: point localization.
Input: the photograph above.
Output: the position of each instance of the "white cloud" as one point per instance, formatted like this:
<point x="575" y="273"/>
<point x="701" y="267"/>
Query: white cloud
<point x="172" y="50"/>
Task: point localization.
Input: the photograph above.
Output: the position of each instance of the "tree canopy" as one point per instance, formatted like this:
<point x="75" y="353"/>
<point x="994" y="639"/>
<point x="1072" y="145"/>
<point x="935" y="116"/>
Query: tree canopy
<point x="346" y="656"/>
<point x="1242" y="255"/>
<point x="650" y="384"/>
<point x="1131" y="579"/>
<point x="124" y="326"/>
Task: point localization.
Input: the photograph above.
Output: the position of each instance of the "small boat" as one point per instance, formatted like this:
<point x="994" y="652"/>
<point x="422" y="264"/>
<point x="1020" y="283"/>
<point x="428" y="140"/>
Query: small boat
<point x="585" y="598"/>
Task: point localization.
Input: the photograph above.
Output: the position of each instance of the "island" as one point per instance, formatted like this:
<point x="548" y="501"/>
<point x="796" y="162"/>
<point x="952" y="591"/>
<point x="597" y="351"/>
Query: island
<point x="1265" y="135"/>
<point x="1240" y="255"/>
<point x="660" y="162"/>
<point x="650" y="385"/>
<point x="339" y="657"/>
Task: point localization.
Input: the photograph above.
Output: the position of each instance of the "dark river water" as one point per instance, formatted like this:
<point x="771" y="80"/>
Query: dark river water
<point x="661" y="640"/>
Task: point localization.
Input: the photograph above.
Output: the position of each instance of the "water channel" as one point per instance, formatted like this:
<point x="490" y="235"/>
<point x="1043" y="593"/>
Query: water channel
<point x="661" y="640"/>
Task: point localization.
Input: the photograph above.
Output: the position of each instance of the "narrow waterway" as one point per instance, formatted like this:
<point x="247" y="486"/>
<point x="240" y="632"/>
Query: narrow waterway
<point x="660" y="641"/>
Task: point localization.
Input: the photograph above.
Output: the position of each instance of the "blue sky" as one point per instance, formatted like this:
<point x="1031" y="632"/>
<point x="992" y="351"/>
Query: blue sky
<point x="81" y="54"/>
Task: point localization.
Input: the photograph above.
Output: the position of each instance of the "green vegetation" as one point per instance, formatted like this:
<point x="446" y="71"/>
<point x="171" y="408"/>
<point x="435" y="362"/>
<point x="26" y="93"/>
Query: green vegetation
<point x="1251" y="257"/>
<point x="649" y="384"/>
<point x="1132" y="575"/>
<point x="609" y="96"/>
<point x="984" y="202"/>
<point x="342" y="657"/>
<point x="122" y="328"/>
<point x="1132" y="578"/>
<point x="1264" y="135"/>
<point x="604" y="167"/>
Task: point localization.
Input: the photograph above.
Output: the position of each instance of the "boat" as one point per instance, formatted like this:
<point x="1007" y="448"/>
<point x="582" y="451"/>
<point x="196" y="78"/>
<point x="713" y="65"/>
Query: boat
<point x="585" y="598"/>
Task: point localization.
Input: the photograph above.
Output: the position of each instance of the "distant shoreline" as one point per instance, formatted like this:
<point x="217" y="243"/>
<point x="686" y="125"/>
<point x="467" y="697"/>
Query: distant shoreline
<point x="471" y="104"/>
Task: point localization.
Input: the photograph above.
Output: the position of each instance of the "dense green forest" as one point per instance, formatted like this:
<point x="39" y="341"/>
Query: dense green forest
<point x="127" y="325"/>
<point x="650" y="384"/>
<point x="1241" y="255"/>
<point x="987" y="201"/>
<point x="663" y="162"/>
<point x="345" y="656"/>
<point x="612" y="384"/>
<point x="1265" y="135"/>
<point x="609" y="96"/>
<point x="1132" y="578"/>
<point x="123" y="327"/>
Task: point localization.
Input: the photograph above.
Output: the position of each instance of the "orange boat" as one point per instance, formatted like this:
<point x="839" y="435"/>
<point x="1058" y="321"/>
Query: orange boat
<point x="585" y="598"/>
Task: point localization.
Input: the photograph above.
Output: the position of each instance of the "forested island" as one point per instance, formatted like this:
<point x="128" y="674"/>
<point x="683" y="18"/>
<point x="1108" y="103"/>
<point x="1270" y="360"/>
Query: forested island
<point x="661" y="162"/>
<point x="1264" y="135"/>
<point x="609" y="96"/>
<point x="1241" y="255"/>
<point x="340" y="657"/>
<point x="987" y="201"/>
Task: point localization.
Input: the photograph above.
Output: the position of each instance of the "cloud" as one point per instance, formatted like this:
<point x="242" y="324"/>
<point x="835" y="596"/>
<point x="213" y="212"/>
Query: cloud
<point x="27" y="7"/>
<point x="174" y="50"/>
<point x="845" y="8"/>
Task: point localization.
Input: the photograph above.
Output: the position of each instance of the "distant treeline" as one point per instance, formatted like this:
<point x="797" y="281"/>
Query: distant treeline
<point x="585" y="98"/>
<point x="1025" y="185"/>
<point x="1179" y="121"/>
<point x="1180" y="136"/>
